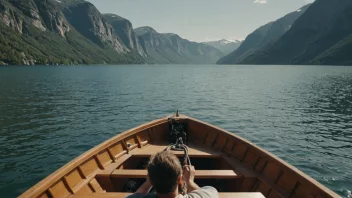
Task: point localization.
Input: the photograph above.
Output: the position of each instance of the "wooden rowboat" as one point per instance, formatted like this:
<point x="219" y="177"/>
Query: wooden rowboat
<point x="235" y="166"/>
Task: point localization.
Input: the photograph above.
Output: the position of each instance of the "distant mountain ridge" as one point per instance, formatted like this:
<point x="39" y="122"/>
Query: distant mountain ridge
<point x="75" y="32"/>
<point x="169" y="48"/>
<point x="58" y="32"/>
<point x="263" y="36"/>
<point x="317" y="34"/>
<point x="226" y="46"/>
<point x="322" y="35"/>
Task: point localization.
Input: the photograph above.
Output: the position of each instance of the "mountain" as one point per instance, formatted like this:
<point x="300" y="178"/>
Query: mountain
<point x="58" y="32"/>
<point x="168" y="48"/>
<point x="87" y="20"/>
<point x="322" y="35"/>
<point x="124" y="30"/>
<point x="262" y="37"/>
<point x="225" y="46"/>
<point x="75" y="32"/>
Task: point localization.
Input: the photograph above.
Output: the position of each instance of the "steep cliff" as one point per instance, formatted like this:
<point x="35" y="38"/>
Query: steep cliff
<point x="45" y="15"/>
<point x="52" y="16"/>
<point x="11" y="17"/>
<point x="124" y="30"/>
<point x="88" y="21"/>
<point x="322" y="35"/>
<point x="262" y="37"/>
<point x="37" y="32"/>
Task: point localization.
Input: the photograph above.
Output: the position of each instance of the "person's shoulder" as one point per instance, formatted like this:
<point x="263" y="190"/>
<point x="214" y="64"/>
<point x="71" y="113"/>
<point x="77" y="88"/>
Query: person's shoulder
<point x="209" y="188"/>
<point x="204" y="192"/>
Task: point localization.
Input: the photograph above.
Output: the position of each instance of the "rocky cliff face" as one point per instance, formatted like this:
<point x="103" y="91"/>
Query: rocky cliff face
<point x="52" y="16"/>
<point x="124" y="30"/>
<point x="319" y="36"/>
<point x="263" y="36"/>
<point x="38" y="32"/>
<point x="75" y="32"/>
<point x="43" y="14"/>
<point x="10" y="17"/>
<point x="87" y="20"/>
<point x="31" y="12"/>
<point x="171" y="48"/>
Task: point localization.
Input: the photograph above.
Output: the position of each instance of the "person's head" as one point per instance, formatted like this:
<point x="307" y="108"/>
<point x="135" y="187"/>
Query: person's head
<point x="165" y="172"/>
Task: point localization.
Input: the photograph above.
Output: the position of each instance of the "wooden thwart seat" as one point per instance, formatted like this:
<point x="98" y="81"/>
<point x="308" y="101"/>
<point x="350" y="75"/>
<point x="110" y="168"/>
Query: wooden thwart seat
<point x="124" y="195"/>
<point x="222" y="155"/>
<point x="200" y="174"/>
<point x="193" y="151"/>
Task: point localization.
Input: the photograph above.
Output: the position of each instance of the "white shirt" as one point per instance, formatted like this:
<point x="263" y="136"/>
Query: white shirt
<point x="205" y="192"/>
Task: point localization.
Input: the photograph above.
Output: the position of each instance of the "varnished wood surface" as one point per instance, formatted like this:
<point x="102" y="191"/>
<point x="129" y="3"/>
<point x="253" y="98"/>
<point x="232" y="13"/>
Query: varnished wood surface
<point x="260" y="171"/>
<point x="277" y="178"/>
<point x="42" y="189"/>
<point x="193" y="151"/>
<point x="124" y="195"/>
<point x="200" y="174"/>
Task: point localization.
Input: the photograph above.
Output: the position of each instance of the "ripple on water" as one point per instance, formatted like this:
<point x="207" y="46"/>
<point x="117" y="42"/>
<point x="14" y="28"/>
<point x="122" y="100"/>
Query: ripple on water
<point x="50" y="115"/>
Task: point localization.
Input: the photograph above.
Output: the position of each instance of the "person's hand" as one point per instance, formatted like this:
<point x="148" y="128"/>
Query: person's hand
<point x="188" y="174"/>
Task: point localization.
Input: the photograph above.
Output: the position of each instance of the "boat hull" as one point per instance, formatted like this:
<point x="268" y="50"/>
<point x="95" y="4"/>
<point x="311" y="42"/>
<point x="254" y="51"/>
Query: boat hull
<point x="229" y="162"/>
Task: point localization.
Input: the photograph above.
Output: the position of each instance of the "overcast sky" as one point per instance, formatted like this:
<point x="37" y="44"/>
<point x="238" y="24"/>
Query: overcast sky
<point x="201" y="20"/>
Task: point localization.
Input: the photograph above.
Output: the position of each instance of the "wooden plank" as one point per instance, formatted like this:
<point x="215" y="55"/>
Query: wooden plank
<point x="216" y="174"/>
<point x="247" y="173"/>
<point x="124" y="195"/>
<point x="193" y="151"/>
<point x="239" y="167"/>
<point x="59" y="190"/>
<point x="275" y="187"/>
<point x="302" y="178"/>
<point x="87" y="167"/>
<point x="73" y="178"/>
<point x="200" y="174"/>
<point x="109" y="169"/>
<point x="56" y="176"/>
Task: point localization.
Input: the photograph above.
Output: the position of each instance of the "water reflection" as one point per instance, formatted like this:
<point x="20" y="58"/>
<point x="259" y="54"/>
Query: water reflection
<point x="49" y="115"/>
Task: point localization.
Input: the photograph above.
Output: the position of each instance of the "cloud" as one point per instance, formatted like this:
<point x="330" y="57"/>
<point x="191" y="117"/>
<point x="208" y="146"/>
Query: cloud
<point x="261" y="1"/>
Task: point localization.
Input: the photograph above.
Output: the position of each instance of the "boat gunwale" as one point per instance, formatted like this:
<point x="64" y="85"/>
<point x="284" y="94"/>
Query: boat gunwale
<point x="66" y="169"/>
<point x="55" y="177"/>
<point x="273" y="158"/>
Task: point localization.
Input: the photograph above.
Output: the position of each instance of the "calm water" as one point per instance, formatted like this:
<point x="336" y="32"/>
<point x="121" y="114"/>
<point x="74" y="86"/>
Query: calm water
<point x="50" y="115"/>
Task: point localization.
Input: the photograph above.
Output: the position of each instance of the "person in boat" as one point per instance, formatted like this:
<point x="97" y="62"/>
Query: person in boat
<point x="166" y="175"/>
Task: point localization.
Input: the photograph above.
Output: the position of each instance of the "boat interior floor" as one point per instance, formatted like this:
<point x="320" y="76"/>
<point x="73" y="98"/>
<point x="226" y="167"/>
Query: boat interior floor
<point x="123" y="177"/>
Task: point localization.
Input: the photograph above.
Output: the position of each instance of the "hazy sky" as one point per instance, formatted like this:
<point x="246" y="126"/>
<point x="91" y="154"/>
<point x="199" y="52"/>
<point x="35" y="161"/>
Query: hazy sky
<point x="201" y="20"/>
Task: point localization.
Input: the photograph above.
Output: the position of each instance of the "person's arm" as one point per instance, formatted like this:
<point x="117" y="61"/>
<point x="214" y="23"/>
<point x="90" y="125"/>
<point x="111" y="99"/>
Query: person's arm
<point x="145" y="188"/>
<point x="205" y="192"/>
<point x="188" y="176"/>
